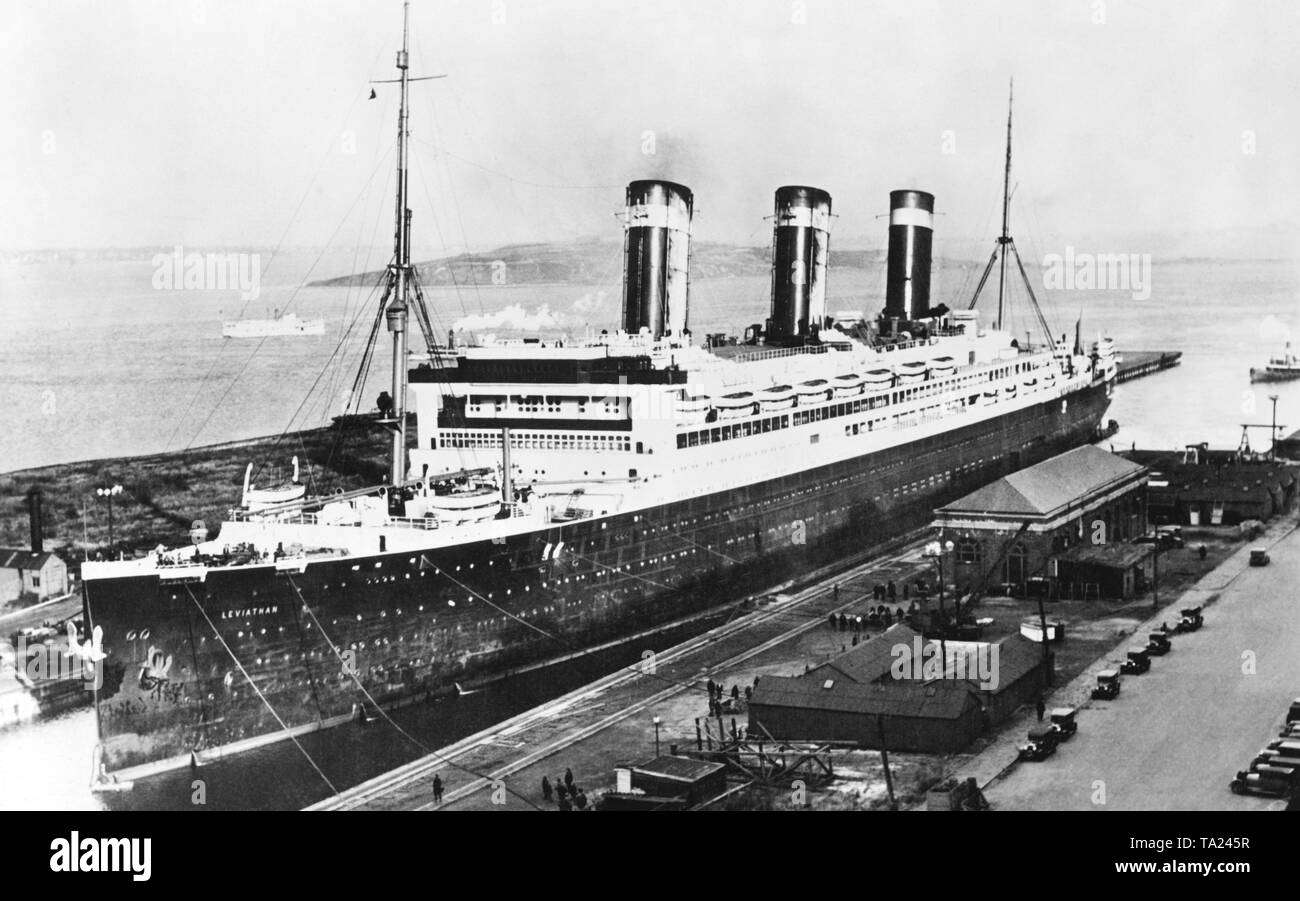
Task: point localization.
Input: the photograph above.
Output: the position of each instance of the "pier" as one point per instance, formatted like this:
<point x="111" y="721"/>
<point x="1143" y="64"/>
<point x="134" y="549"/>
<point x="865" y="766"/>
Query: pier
<point x="1138" y="363"/>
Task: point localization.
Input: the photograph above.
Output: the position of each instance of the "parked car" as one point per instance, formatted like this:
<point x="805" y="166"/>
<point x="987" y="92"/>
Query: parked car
<point x="1107" y="686"/>
<point x="1158" y="644"/>
<point x="1063" y="724"/>
<point x="1258" y="557"/>
<point x="1138" y="662"/>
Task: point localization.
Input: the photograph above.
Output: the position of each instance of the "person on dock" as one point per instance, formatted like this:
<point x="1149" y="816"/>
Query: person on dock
<point x="831" y="619"/>
<point x="835" y="592"/>
<point x="437" y="789"/>
<point x="735" y="692"/>
<point x="892" y="590"/>
<point x="568" y="779"/>
<point x="1041" y="708"/>
<point x="546" y="789"/>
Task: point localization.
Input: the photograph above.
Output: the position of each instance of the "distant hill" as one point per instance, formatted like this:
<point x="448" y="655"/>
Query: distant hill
<point x="585" y="263"/>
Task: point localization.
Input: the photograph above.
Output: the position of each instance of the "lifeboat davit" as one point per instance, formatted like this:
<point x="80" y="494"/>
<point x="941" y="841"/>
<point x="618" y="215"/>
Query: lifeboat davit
<point x="255" y="499"/>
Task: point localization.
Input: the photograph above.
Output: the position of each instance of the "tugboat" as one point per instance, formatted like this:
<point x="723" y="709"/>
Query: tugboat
<point x="1283" y="368"/>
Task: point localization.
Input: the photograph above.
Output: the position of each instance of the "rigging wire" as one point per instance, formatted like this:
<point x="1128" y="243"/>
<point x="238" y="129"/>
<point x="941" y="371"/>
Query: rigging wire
<point x="320" y="166"/>
<point x="244" y="366"/>
<point x="253" y="685"/>
<point x="350" y="670"/>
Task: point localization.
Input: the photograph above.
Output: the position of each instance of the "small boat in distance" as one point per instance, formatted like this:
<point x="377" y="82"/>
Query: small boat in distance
<point x="277" y="325"/>
<point x="1279" y="369"/>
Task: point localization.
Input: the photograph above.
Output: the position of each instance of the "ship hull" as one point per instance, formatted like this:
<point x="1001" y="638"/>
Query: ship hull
<point x="408" y="626"/>
<point x="1274" y="375"/>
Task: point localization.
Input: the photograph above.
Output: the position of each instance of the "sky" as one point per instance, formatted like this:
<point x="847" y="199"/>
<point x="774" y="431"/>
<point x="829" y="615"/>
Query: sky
<point x="1163" y="127"/>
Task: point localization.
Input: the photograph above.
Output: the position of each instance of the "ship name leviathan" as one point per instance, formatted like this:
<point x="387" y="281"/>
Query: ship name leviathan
<point x="248" y="611"/>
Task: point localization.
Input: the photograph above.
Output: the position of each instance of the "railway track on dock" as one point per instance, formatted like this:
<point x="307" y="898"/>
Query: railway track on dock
<point x="552" y="727"/>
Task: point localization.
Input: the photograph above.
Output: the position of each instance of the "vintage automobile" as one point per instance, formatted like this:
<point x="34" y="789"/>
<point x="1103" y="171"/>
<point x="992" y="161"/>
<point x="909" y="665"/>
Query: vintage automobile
<point x="1293" y="715"/>
<point x="1290" y="730"/>
<point x="1258" y="557"/>
<point x="1138" y="662"/>
<point x="1274" y="758"/>
<point x="1107" y="686"/>
<point x="1041" y="744"/>
<point x="1191" y="620"/>
<point x="1288" y="746"/>
<point x="1168" y="537"/>
<point x="1158" y="643"/>
<point x="1062" y="722"/>
<point x="1277" y="785"/>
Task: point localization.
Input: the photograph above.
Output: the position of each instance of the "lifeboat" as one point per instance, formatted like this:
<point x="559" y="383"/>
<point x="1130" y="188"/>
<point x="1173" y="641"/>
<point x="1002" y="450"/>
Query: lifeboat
<point x="814" y="390"/>
<point x="255" y="499"/>
<point x="1030" y="385"/>
<point x="911" y="373"/>
<point x="990" y="397"/>
<point x="941" y="366"/>
<point x="693" y="408"/>
<point x="1009" y="392"/>
<point x="778" y="397"/>
<point x="847" y="385"/>
<point x="735" y="406"/>
<point x="877" y="379"/>
<point x="472" y="503"/>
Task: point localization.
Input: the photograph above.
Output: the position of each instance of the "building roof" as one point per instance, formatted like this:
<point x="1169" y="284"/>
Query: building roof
<point x="936" y="700"/>
<point x="872" y="659"/>
<point x="1048" y="486"/>
<point x="1116" y="556"/>
<point x="17" y="558"/>
<point x="679" y="769"/>
<point x="1017" y="657"/>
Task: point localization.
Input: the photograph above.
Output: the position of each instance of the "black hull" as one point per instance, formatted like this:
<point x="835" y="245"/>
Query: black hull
<point x="411" y="625"/>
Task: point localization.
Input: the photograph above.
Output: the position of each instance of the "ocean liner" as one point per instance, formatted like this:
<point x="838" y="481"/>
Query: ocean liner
<point x="562" y="495"/>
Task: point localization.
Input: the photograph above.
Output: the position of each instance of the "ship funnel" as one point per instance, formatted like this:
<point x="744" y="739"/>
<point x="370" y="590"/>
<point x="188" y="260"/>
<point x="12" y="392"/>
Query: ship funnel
<point x="800" y="249"/>
<point x="911" y="232"/>
<point x="656" y="244"/>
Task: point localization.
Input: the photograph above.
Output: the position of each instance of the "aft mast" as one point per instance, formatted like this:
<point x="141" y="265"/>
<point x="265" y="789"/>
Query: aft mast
<point x="1005" y="238"/>
<point x="1006" y="243"/>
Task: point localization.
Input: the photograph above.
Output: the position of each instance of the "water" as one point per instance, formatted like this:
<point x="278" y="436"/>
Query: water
<point x="95" y="363"/>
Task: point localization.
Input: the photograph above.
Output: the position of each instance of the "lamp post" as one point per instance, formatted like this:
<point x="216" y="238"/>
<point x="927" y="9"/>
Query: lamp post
<point x="656" y="722"/>
<point x="109" y="492"/>
<point x="935" y="550"/>
<point x="1272" y="453"/>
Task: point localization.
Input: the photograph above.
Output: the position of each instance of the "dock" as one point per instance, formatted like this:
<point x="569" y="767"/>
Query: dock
<point x="1138" y="363"/>
<point x="598" y="725"/>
